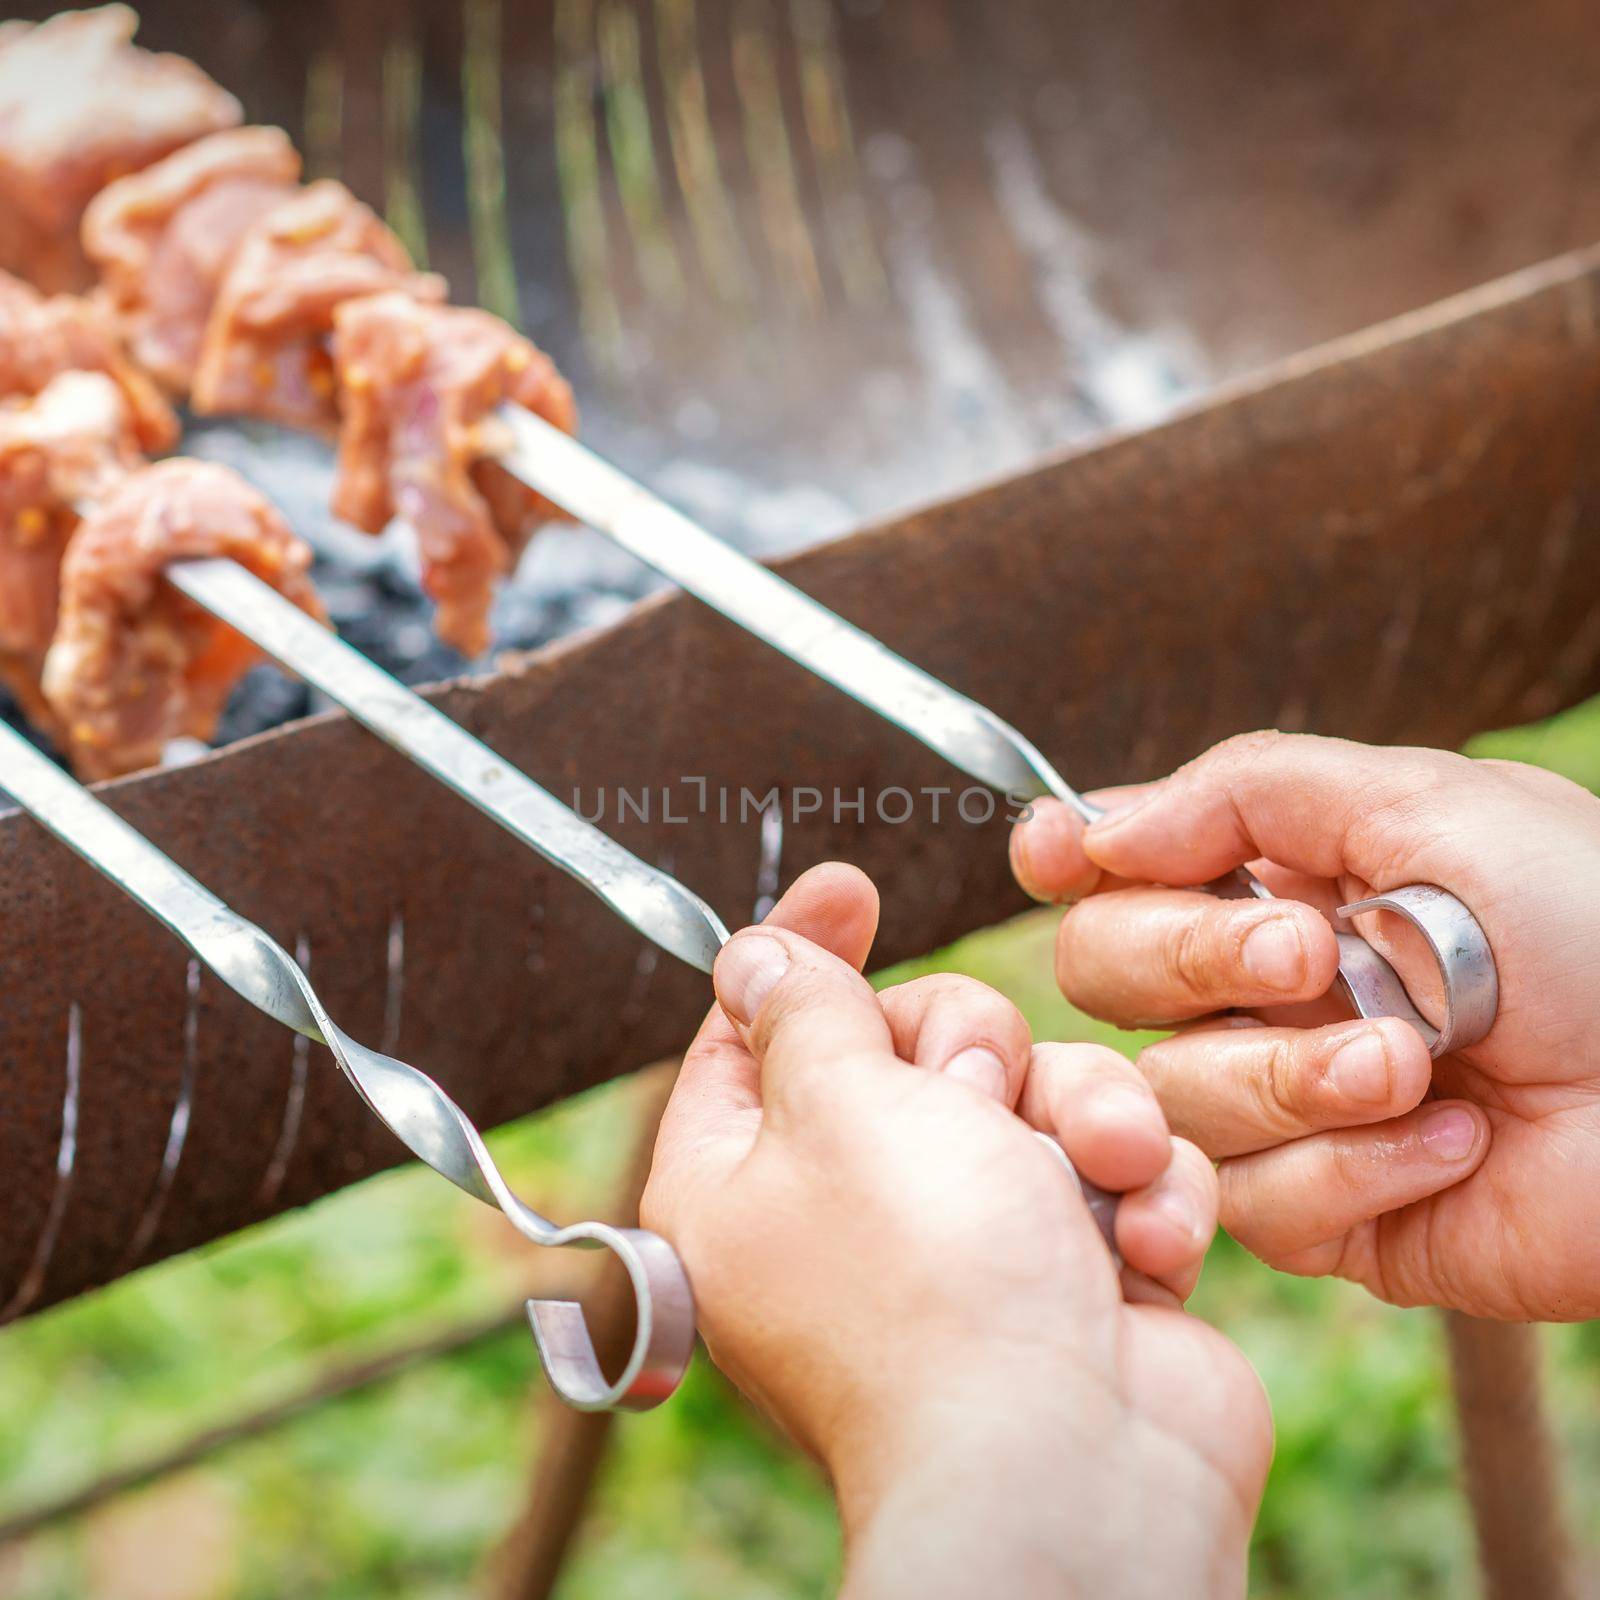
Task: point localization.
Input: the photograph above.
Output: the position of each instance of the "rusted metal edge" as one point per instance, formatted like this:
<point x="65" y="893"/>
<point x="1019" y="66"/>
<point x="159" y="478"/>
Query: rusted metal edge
<point x="1392" y="539"/>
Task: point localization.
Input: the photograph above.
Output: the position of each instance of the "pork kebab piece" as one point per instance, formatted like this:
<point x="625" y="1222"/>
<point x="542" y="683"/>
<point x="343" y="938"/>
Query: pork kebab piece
<point x="42" y="337"/>
<point x="81" y="104"/>
<point x="102" y="657"/>
<point x="418" y="388"/>
<point x="301" y="307"/>
<point x="163" y="238"/>
<point x="264" y="352"/>
<point x="133" y="664"/>
<point x="74" y="416"/>
<point x="61" y="449"/>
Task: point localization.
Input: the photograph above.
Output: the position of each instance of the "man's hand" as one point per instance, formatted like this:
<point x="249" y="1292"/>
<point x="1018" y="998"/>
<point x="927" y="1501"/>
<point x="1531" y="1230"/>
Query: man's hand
<point x="889" y="1261"/>
<point x="1471" y="1182"/>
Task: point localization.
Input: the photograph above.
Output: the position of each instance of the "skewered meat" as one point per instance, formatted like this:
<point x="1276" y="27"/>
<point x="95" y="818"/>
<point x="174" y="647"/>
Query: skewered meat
<point x="418" y="385"/>
<point x="67" y="445"/>
<point x="40" y="338"/>
<point x="134" y="664"/>
<point x="81" y="104"/>
<point x="164" y="237"/>
<point x="265" y="352"/>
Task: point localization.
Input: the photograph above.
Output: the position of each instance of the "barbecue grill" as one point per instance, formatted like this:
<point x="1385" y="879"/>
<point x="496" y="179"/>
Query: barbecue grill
<point x="806" y="264"/>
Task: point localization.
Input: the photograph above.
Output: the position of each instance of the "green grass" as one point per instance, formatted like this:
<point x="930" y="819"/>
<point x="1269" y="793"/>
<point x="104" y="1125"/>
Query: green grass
<point x="406" y="1487"/>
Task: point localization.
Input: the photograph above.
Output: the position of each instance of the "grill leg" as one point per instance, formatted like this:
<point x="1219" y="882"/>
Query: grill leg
<point x="530" y="1561"/>
<point x="1509" y="1460"/>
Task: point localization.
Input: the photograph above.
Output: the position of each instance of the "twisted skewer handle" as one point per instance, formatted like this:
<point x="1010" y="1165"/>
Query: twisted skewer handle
<point x="421" y="1115"/>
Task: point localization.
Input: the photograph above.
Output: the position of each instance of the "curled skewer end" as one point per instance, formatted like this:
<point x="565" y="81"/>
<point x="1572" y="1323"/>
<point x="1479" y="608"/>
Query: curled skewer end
<point x="663" y="1339"/>
<point x="1460" y="947"/>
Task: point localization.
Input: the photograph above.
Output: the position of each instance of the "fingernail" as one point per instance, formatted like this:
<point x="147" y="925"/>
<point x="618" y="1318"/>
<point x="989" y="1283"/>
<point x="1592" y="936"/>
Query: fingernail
<point x="1450" y="1133"/>
<point x="1274" y="954"/>
<point x="1179" y="1211"/>
<point x="980" y="1067"/>
<point x="1124" y="813"/>
<point x="1359" y="1070"/>
<point x="748" y="970"/>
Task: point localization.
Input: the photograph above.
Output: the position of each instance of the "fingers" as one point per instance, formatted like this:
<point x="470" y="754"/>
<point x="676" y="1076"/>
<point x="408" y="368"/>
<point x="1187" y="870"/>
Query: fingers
<point x="1098" y="1108"/>
<point x="963" y="1028"/>
<point x="1165" y="1228"/>
<point x="1104" y="1116"/>
<point x="1236" y="1089"/>
<point x="1296" y="1204"/>
<point x="1320" y="806"/>
<point x="1047" y="856"/>
<point x="1138" y="957"/>
<point x="713" y="1114"/>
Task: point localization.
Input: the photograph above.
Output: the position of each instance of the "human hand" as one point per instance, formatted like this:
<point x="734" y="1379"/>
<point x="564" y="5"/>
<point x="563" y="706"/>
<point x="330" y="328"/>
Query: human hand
<point x="1470" y="1182"/>
<point x="888" y="1260"/>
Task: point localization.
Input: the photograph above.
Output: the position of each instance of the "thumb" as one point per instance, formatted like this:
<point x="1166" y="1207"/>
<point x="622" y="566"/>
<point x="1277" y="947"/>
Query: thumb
<point x="715" y="1110"/>
<point x="799" y="1007"/>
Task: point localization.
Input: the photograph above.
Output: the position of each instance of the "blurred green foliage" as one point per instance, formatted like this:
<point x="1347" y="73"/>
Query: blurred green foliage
<point x="405" y="1488"/>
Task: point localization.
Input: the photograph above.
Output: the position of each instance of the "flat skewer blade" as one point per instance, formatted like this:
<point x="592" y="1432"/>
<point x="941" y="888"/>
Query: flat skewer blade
<point x="965" y="733"/>
<point x="660" y="907"/>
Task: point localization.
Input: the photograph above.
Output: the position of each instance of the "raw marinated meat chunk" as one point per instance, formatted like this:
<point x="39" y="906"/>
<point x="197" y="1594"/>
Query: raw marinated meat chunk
<point x="418" y="385"/>
<point x="134" y="663"/>
<point x="63" y="448"/>
<point x="163" y="238"/>
<point x="81" y="104"/>
<point x="265" y="352"/>
<point x="40" y="338"/>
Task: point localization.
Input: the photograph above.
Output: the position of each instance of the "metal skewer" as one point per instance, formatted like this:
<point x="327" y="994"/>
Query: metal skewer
<point x="966" y="734"/>
<point x="425" y="1119"/>
<point x="660" y="907"/>
<point x="415" y="1108"/>
<point x="655" y="903"/>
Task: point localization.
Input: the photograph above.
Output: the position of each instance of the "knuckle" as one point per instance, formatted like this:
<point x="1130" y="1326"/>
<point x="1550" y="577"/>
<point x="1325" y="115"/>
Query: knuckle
<point x="1346" y="1170"/>
<point x="1236" y="1204"/>
<point x="915" y="994"/>
<point x="1196" y="1175"/>
<point x="798" y="992"/>
<point x="1280" y="1084"/>
<point x="1071" y="1068"/>
<point x="939" y="986"/>
<point x="979" y="1008"/>
<point x="1242" y="748"/>
<point x="1203" y="1167"/>
<point x="1243" y="753"/>
<point x="1191" y="958"/>
<point x="1420" y="788"/>
<point x="961" y="993"/>
<point x="1523" y="778"/>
